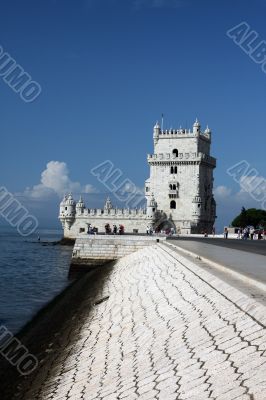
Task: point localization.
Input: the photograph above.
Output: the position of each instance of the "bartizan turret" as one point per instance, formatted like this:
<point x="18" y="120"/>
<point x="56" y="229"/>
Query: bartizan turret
<point x="80" y="206"/>
<point x="196" y="127"/>
<point x="156" y="133"/>
<point x="151" y="207"/>
<point x="70" y="211"/>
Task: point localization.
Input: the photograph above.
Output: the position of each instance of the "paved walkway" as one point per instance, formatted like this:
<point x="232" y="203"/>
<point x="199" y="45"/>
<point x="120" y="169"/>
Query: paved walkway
<point x="252" y="265"/>
<point x="168" y="330"/>
<point x="250" y="246"/>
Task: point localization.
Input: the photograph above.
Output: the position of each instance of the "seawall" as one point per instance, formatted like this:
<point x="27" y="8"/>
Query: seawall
<point x="97" y="250"/>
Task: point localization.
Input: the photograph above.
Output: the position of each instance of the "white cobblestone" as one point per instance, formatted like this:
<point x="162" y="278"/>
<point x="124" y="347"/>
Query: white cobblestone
<point x="163" y="333"/>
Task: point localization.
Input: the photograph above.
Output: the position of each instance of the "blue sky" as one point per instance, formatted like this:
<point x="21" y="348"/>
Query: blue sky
<point x="108" y="69"/>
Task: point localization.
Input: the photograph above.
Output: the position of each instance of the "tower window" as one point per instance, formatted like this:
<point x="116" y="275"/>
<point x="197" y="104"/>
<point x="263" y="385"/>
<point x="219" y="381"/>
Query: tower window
<point x="172" y="170"/>
<point x="173" y="205"/>
<point x="175" y="152"/>
<point x="170" y="187"/>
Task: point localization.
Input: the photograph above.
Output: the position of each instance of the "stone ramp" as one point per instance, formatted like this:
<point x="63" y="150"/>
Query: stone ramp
<point x="165" y="329"/>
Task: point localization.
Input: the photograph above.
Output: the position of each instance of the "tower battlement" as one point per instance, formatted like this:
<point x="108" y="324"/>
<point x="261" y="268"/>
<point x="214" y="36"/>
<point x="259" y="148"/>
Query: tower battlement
<point x="182" y="132"/>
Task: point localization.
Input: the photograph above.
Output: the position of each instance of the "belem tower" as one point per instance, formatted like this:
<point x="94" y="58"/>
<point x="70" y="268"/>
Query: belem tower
<point x="179" y="192"/>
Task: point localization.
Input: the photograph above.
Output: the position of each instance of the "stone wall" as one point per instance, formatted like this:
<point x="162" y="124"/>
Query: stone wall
<point x="96" y="250"/>
<point x="131" y="225"/>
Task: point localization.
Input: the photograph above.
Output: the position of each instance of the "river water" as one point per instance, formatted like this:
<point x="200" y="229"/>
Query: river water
<point x="31" y="274"/>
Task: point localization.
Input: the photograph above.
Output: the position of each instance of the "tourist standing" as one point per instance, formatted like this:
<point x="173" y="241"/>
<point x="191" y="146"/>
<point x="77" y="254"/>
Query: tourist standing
<point x="107" y="229"/>
<point x="252" y="231"/>
<point x="245" y="233"/>
<point x="121" y="229"/>
<point x="225" y="233"/>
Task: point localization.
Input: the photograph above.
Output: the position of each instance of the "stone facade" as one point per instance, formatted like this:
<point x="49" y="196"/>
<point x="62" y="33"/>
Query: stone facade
<point x="179" y="191"/>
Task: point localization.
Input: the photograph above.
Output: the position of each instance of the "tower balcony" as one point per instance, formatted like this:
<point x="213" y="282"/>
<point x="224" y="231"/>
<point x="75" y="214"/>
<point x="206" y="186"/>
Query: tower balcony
<point x="181" y="158"/>
<point x="173" y="194"/>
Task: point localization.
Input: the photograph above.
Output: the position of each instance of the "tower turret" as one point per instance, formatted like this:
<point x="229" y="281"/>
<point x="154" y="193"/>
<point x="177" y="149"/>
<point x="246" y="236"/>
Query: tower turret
<point x="151" y="207"/>
<point x="80" y="206"/>
<point x="197" y="206"/>
<point x="156" y="132"/>
<point x="207" y="132"/>
<point x="70" y="210"/>
<point x="108" y="205"/>
<point x="62" y="207"/>
<point x="196" y="127"/>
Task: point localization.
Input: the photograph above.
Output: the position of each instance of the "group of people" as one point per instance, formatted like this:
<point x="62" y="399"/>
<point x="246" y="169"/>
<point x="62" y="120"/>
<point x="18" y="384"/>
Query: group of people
<point x="249" y="232"/>
<point x="149" y="230"/>
<point x="92" y="230"/>
<point x="168" y="231"/>
<point x="116" y="230"/>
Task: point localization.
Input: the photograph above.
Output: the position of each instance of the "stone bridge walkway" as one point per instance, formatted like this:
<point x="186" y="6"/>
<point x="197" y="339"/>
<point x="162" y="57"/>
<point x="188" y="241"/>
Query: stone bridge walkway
<point x="168" y="330"/>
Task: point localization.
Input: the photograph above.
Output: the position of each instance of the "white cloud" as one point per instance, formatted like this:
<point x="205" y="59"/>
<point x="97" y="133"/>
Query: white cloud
<point x="229" y="203"/>
<point x="222" y="192"/>
<point x="55" y="181"/>
<point x="224" y="196"/>
<point x="252" y="192"/>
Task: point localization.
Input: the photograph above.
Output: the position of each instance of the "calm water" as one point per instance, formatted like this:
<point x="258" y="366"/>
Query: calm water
<point x="31" y="274"/>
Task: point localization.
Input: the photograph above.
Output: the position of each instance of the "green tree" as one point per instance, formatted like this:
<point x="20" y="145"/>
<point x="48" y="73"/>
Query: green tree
<point x="252" y="216"/>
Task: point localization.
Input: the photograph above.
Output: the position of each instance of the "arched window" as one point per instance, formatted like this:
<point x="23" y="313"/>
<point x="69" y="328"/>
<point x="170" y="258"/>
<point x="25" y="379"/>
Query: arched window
<point x="170" y="187"/>
<point x="175" y="170"/>
<point x="174" y="187"/>
<point x="173" y="205"/>
<point x="175" y="152"/>
<point x="172" y="170"/>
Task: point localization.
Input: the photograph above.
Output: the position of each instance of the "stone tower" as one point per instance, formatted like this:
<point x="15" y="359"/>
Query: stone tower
<point x="181" y="178"/>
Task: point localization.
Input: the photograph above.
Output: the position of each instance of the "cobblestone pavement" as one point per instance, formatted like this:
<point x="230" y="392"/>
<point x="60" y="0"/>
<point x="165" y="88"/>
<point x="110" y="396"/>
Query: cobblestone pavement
<point x="168" y="330"/>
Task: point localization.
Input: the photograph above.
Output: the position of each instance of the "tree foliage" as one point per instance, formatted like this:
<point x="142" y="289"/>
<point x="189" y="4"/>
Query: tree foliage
<point x="252" y="216"/>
